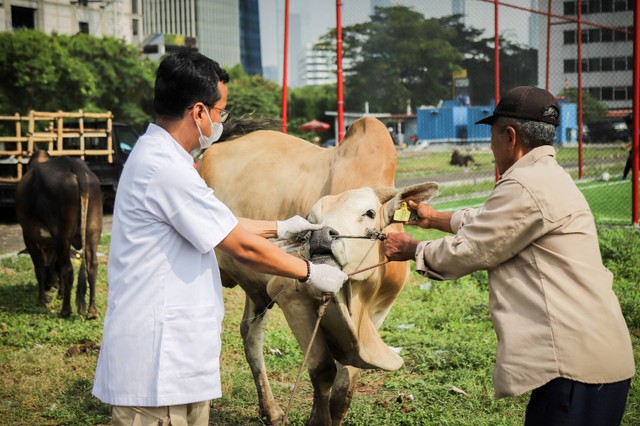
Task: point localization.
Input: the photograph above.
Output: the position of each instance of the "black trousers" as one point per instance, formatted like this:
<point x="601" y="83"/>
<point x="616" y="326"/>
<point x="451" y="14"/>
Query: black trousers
<point x="569" y="403"/>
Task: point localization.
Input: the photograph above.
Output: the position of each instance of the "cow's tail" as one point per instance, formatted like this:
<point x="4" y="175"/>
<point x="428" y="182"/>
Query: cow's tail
<point x="82" y="274"/>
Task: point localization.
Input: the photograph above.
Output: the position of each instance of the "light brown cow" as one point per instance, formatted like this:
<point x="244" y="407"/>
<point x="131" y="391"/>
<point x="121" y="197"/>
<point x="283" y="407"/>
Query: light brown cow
<point x="270" y="175"/>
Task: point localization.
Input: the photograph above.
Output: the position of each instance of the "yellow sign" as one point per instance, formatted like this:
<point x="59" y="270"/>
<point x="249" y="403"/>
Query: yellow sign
<point x="461" y="73"/>
<point x="174" y="39"/>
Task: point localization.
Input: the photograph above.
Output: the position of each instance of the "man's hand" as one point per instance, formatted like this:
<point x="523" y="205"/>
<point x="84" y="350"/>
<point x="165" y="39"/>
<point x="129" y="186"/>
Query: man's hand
<point x="400" y="246"/>
<point x="421" y="214"/>
<point x="425" y="216"/>
<point x="294" y="226"/>
<point x="326" y="278"/>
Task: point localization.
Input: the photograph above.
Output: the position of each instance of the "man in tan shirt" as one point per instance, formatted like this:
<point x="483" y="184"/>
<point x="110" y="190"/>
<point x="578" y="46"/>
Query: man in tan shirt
<point x="560" y="329"/>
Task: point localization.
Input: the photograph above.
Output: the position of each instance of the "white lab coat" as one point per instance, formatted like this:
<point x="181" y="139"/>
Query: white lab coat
<point x="161" y="341"/>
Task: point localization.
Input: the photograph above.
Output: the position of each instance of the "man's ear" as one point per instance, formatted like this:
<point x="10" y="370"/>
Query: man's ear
<point x="512" y="137"/>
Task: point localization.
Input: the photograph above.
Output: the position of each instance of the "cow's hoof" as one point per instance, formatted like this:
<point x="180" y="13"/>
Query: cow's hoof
<point x="92" y="314"/>
<point x="274" y="417"/>
<point x="65" y="314"/>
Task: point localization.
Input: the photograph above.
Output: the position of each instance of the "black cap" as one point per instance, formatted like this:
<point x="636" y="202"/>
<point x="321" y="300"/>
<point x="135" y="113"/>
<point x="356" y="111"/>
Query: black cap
<point x="526" y="103"/>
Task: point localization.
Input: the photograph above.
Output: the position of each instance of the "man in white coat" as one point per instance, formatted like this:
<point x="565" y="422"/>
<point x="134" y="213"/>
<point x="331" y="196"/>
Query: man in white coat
<point x="159" y="358"/>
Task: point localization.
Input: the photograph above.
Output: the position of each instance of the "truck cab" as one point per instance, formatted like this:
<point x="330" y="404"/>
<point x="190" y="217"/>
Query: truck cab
<point x="124" y="139"/>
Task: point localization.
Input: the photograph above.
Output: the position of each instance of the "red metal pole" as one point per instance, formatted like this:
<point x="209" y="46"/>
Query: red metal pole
<point x="579" y="37"/>
<point x="496" y="51"/>
<point x="340" y="75"/>
<point x="636" y="116"/>
<point x="284" y="66"/>
<point x="496" y="55"/>
<point x="548" y="45"/>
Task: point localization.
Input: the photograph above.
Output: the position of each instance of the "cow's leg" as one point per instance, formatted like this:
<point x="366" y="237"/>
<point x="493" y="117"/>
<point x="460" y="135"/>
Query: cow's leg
<point x="254" y="322"/>
<point x="300" y="310"/>
<point x="40" y="269"/>
<point x="81" y="288"/>
<point x="64" y="268"/>
<point x="342" y="393"/>
<point x="92" y="272"/>
<point x="51" y="280"/>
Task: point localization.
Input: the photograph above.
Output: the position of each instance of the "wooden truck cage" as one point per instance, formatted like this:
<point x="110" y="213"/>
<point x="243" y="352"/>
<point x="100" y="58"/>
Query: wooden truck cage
<point x="49" y="131"/>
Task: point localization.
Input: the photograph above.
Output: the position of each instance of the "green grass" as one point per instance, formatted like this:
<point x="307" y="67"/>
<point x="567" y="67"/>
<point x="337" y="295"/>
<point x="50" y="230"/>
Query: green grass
<point x="450" y="346"/>
<point x="610" y="201"/>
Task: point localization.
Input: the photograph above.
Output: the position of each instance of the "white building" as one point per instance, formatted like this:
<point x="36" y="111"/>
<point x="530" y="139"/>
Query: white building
<point x="316" y="68"/>
<point x="114" y="18"/>
<point x="607" y="50"/>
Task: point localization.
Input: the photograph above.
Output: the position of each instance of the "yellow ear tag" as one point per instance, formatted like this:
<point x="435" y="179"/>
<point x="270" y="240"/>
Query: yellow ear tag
<point x="402" y="214"/>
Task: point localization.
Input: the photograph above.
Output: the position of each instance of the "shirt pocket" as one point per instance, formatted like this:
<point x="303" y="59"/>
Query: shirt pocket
<point x="191" y="341"/>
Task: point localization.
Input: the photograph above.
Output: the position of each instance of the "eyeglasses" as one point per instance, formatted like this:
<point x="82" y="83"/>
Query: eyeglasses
<point x="224" y="114"/>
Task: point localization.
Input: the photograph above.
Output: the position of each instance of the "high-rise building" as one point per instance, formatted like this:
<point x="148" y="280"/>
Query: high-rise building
<point x="607" y="55"/>
<point x="114" y="18"/>
<point x="250" y="52"/>
<point x="225" y="30"/>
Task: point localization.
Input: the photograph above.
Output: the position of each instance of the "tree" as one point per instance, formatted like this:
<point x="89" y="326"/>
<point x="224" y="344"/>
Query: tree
<point x="397" y="56"/>
<point x="123" y="78"/>
<point x="36" y="72"/>
<point x="60" y="72"/>
<point x="252" y="94"/>
<point x="310" y="102"/>
<point x="518" y="64"/>
<point x="400" y="55"/>
<point x="592" y="109"/>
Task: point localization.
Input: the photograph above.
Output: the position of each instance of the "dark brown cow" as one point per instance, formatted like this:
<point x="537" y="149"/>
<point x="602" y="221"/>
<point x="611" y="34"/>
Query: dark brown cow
<point x="59" y="205"/>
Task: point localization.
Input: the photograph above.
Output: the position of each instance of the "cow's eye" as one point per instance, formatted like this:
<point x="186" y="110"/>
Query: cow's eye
<point x="371" y="213"/>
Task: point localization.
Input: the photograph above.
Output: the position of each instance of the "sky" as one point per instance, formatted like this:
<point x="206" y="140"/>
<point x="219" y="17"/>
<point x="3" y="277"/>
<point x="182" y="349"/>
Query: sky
<point x="309" y="19"/>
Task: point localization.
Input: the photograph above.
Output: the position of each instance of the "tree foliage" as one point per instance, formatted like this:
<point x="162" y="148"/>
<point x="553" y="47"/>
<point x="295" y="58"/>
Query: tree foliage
<point x="399" y="56"/>
<point x="252" y="94"/>
<point x="592" y="109"/>
<point x="61" y="72"/>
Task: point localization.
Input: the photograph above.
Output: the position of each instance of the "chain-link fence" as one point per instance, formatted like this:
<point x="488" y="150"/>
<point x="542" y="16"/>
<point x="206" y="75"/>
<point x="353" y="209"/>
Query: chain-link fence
<point x="582" y="52"/>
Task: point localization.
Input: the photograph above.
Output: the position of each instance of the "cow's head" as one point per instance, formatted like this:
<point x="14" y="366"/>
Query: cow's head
<point x="349" y="327"/>
<point x="353" y="219"/>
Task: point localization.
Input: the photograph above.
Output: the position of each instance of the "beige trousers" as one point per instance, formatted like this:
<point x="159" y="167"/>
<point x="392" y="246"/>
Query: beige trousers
<point x="196" y="414"/>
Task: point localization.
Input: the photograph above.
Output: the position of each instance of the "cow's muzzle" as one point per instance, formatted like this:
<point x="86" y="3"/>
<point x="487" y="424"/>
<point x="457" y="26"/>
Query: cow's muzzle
<point x="321" y="246"/>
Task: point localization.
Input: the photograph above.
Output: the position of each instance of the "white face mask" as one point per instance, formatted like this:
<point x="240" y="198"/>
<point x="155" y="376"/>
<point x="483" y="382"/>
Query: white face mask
<point x="216" y="132"/>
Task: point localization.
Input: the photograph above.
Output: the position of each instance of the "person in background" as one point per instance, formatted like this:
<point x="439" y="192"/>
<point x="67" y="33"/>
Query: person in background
<point x="159" y="358"/>
<point x="628" y="146"/>
<point x="561" y="332"/>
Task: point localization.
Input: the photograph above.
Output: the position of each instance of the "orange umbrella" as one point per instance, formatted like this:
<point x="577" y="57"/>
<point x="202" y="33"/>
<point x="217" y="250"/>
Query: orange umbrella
<point x="314" y="125"/>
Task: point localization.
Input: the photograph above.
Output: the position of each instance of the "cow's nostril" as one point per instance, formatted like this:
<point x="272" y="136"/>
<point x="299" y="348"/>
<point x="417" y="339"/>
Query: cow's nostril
<point x="321" y="240"/>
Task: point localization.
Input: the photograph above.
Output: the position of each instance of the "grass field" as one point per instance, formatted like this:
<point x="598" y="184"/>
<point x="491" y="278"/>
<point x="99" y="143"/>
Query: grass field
<point x="443" y="330"/>
<point x="610" y="201"/>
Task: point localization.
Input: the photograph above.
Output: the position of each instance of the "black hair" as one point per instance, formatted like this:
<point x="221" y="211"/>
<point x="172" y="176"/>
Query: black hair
<point x="184" y="78"/>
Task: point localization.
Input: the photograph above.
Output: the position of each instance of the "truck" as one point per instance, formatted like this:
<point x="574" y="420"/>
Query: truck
<point x="94" y="137"/>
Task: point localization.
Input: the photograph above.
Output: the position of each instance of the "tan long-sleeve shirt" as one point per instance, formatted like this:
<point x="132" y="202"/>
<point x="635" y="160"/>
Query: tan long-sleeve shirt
<point x="550" y="296"/>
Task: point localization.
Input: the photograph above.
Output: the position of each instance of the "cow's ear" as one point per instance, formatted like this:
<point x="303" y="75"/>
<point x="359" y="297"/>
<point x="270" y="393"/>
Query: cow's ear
<point x="420" y="193"/>
<point x="385" y="194"/>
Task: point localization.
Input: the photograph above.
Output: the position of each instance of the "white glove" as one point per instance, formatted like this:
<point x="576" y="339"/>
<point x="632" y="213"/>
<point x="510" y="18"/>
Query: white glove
<point x="292" y="227"/>
<point x="326" y="278"/>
